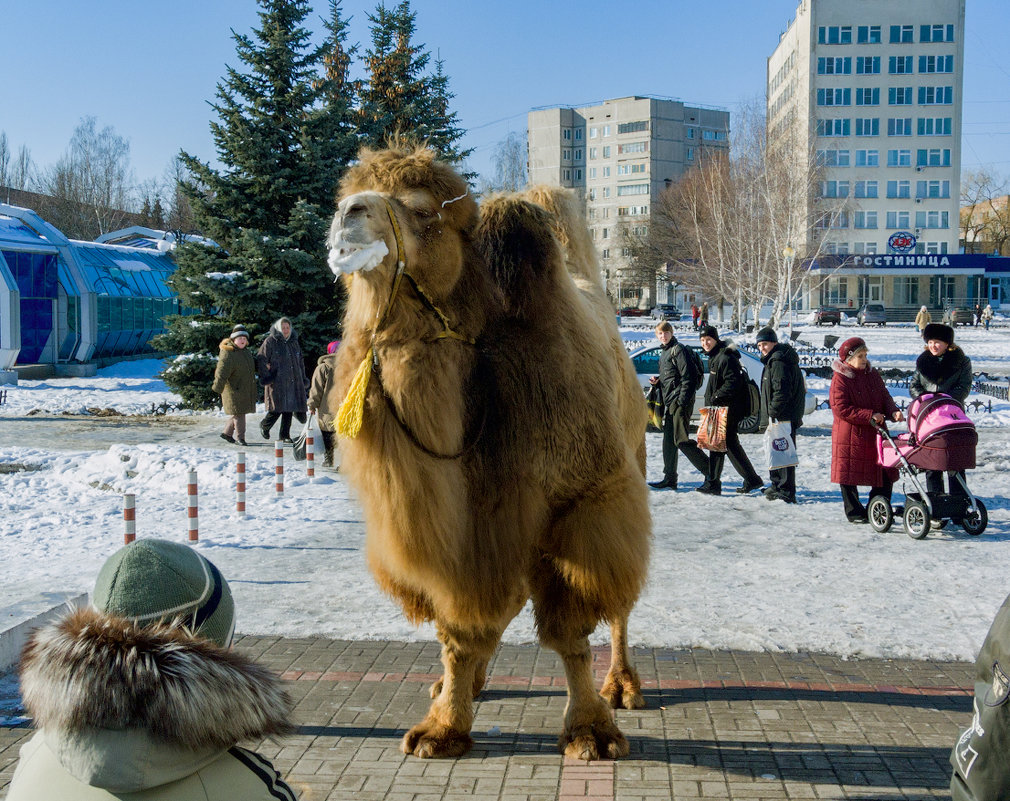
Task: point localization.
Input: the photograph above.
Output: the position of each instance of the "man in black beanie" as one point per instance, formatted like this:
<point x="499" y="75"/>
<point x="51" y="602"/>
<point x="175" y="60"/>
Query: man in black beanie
<point x="782" y="395"/>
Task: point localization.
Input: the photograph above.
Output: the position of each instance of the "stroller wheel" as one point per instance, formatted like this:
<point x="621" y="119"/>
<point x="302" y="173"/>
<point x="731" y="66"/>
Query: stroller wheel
<point x="916" y="520"/>
<point x="975" y="524"/>
<point x="880" y="514"/>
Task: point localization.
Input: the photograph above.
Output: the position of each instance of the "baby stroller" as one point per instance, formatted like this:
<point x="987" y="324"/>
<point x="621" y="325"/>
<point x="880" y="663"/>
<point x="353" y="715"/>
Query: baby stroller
<point x="940" y="436"/>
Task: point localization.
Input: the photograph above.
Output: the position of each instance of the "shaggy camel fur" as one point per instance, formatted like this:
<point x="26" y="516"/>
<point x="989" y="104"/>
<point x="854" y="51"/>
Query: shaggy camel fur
<point x="493" y="461"/>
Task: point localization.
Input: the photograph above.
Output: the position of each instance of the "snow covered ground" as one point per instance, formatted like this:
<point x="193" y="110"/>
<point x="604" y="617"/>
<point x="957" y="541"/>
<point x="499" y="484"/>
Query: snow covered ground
<point x="726" y="572"/>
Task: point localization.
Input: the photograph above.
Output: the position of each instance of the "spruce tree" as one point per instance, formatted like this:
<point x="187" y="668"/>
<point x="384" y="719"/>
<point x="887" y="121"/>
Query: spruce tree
<point x="443" y="131"/>
<point x="284" y="134"/>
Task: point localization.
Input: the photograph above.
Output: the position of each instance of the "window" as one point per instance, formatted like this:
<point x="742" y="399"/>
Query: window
<point x="566" y="154"/>
<point x="867" y="126"/>
<point x="900" y="95"/>
<point x="578" y="154"/>
<point x="899" y="65"/>
<point x="936" y="95"/>
<point x="606" y="130"/>
<point x="605" y="233"/>
<point x="931" y="247"/>
<point x="592" y="133"/>
<point x="868" y="34"/>
<point x="606" y="172"/>
<point x="932" y="219"/>
<point x="934" y="157"/>
<point x="593" y="152"/>
<point x="867" y="158"/>
<point x="837" y="293"/>
<point x="840" y="221"/>
<point x="901" y="34"/>
<point x="941" y="289"/>
<point x="834" y="66"/>
<point x="834" y="188"/>
<point x="566" y="134"/>
<point x="632" y="189"/>
<point x="868" y="97"/>
<point x="899" y="126"/>
<point x="690" y="154"/>
<point x="899" y="158"/>
<point x="566" y="174"/>
<point x="606" y="152"/>
<point x="833" y="158"/>
<point x="633" y="147"/>
<point x="578" y="134"/>
<point x="864" y="219"/>
<point x="906" y="290"/>
<point x="867" y="65"/>
<point x="632" y="127"/>
<point x="713" y="135"/>
<point x="833" y="97"/>
<point x="864" y="247"/>
<point x="606" y="191"/>
<point x="934" y="126"/>
<point x="866" y="189"/>
<point x="932" y="189"/>
<point x="838" y="127"/>
<point x="834" y="34"/>
<point x="898" y="219"/>
<point x="936" y="33"/>
<point x="936" y="63"/>
<point x="592" y="172"/>
<point x="898" y="189"/>
<point x="605" y="254"/>
<point x="690" y="133"/>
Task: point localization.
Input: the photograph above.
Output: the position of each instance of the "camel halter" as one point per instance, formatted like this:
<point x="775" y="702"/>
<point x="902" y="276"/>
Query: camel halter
<point x="351" y="413"/>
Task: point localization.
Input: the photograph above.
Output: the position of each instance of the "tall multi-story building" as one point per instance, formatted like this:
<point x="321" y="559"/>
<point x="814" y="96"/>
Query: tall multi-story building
<point x="621" y="154"/>
<point x="872" y="92"/>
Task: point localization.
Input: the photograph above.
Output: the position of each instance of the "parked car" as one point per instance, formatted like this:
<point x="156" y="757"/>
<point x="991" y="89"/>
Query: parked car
<point x="632" y="311"/>
<point x="665" y="311"/>
<point x="958" y="315"/>
<point x="872" y="314"/>
<point x="646" y="361"/>
<point x="827" y="315"/>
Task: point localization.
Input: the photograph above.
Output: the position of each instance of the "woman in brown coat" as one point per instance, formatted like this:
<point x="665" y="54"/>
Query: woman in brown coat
<point x="235" y="382"/>
<point x="282" y="371"/>
<point x="859" y="400"/>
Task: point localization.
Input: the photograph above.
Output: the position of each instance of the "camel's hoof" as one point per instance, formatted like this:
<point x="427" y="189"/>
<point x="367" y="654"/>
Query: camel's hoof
<point x="478" y="684"/>
<point x="427" y="741"/>
<point x="599" y="741"/>
<point x="623" y="691"/>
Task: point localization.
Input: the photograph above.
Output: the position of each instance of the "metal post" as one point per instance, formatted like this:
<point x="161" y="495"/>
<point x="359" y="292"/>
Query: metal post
<point x="129" y="518"/>
<point x="191" y="508"/>
<point x="279" y="468"/>
<point x="310" y="456"/>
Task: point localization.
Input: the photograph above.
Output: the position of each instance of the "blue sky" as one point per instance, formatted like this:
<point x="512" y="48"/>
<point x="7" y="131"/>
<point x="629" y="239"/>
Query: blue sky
<point x="149" y="68"/>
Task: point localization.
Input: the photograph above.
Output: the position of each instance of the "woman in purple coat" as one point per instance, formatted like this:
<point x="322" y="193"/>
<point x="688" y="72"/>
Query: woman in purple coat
<point x="858" y="400"/>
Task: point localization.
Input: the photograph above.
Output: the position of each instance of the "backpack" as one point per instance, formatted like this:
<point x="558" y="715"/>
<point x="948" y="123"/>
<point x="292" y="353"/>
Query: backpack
<point x="696" y="366"/>
<point x="753" y="393"/>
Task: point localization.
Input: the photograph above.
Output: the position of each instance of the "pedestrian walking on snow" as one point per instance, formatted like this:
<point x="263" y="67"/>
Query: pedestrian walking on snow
<point x="235" y="382"/>
<point x="987" y="315"/>
<point x="922" y="319"/>
<point x="783" y="392"/>
<point x="282" y="373"/>
<point x="859" y="400"/>
<point x="322" y="401"/>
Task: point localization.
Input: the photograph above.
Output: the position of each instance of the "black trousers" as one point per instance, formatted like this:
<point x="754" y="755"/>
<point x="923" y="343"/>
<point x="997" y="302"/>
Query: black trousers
<point x="850" y="497"/>
<point x="676" y="440"/>
<point x="934" y="481"/>
<point x="783" y="479"/>
<point x="285" y="417"/>
<point x="737" y="455"/>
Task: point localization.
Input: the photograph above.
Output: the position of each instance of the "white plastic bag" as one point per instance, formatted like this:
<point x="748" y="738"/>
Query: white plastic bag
<point x="301" y="441"/>
<point x="779" y="445"/>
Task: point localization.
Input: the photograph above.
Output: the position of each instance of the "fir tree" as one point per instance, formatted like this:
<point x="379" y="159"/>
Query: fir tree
<point x="443" y="131"/>
<point x="283" y="136"/>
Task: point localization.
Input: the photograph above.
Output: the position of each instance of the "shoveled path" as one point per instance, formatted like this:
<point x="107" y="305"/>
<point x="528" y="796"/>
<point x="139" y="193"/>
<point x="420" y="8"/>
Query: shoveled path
<point x="718" y="724"/>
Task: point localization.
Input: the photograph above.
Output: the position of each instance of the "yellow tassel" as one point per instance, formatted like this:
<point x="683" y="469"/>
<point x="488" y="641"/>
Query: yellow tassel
<point x="352" y="410"/>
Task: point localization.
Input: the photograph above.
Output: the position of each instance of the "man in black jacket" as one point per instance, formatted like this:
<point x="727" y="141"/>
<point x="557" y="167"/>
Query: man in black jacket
<point x="783" y="395"/>
<point x="678" y="378"/>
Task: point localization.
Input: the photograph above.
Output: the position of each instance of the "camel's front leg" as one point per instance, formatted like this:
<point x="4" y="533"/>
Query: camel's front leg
<point x="479" y="680"/>
<point x="445" y="731"/>
<point x="622" y="688"/>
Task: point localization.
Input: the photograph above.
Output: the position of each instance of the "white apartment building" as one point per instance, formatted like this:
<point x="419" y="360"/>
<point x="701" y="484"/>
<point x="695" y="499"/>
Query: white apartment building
<point x="621" y="154"/>
<point x="872" y="91"/>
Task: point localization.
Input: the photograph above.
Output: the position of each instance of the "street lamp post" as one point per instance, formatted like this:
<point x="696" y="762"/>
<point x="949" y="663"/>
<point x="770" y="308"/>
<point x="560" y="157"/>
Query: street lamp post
<point x="789" y="255"/>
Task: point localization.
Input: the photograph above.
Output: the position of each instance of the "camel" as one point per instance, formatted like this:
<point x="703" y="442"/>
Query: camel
<point x="485" y="436"/>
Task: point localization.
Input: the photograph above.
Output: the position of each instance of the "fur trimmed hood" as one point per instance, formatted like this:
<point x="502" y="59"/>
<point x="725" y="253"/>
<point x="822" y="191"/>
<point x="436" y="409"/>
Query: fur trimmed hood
<point x="93" y="671"/>
<point x="847" y="370"/>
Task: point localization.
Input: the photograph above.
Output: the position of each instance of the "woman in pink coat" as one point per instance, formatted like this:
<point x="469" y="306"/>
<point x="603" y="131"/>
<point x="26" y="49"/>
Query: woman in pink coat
<point x="858" y="400"/>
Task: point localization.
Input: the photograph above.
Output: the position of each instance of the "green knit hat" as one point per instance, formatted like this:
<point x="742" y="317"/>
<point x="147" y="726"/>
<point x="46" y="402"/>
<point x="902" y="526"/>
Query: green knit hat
<point x="151" y="580"/>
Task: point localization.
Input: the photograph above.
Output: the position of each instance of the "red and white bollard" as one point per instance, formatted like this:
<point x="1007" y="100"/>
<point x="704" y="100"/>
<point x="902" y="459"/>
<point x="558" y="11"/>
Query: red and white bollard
<point x="279" y="468"/>
<point x="129" y="518"/>
<point x="310" y="456"/>
<point x="240" y="485"/>
<point x="191" y="508"/>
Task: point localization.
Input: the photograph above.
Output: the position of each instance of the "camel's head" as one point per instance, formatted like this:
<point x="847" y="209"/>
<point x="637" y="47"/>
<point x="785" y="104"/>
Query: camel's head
<point x="433" y="209"/>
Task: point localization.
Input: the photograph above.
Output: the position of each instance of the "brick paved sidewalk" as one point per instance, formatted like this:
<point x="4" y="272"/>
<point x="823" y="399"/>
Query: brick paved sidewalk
<point x="721" y="725"/>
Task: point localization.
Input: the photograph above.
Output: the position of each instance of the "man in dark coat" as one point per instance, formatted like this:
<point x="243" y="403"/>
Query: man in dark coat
<point x="678" y="376"/>
<point x="281" y="368"/>
<point x="782" y="394"/>
<point x="942" y="367"/>
<point x="727" y="386"/>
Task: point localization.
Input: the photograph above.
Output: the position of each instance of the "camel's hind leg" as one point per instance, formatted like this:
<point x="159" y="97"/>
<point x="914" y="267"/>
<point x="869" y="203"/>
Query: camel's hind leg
<point x="445" y="731"/>
<point x="622" y="688"/>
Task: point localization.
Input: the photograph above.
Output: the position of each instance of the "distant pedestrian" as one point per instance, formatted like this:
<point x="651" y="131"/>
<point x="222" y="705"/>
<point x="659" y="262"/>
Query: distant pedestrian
<point x="139" y="696"/>
<point x="783" y="394"/>
<point x="680" y="374"/>
<point x="282" y="372"/>
<point x="727" y="386"/>
<point x="235" y="382"/>
<point x="987" y="315"/>
<point x="695" y="313"/>
<point x="859" y="400"/>
<point x="703" y="315"/>
<point x="978" y="313"/>
<point x="321" y="400"/>
<point x="923" y="318"/>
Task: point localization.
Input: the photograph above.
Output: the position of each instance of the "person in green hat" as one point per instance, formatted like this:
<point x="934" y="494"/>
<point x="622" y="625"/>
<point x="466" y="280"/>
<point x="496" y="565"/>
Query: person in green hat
<point x="139" y="696"/>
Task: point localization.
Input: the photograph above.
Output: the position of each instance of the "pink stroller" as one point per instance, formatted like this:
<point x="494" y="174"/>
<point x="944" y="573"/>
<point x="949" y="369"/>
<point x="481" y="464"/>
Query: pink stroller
<point x="940" y="436"/>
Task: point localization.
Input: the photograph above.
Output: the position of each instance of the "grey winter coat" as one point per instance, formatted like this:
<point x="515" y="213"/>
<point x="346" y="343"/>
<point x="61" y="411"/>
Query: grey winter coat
<point x="282" y="372"/>
<point x="235" y="378"/>
<point x="783" y="393"/>
<point x="949" y="374"/>
<point x="147" y="713"/>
